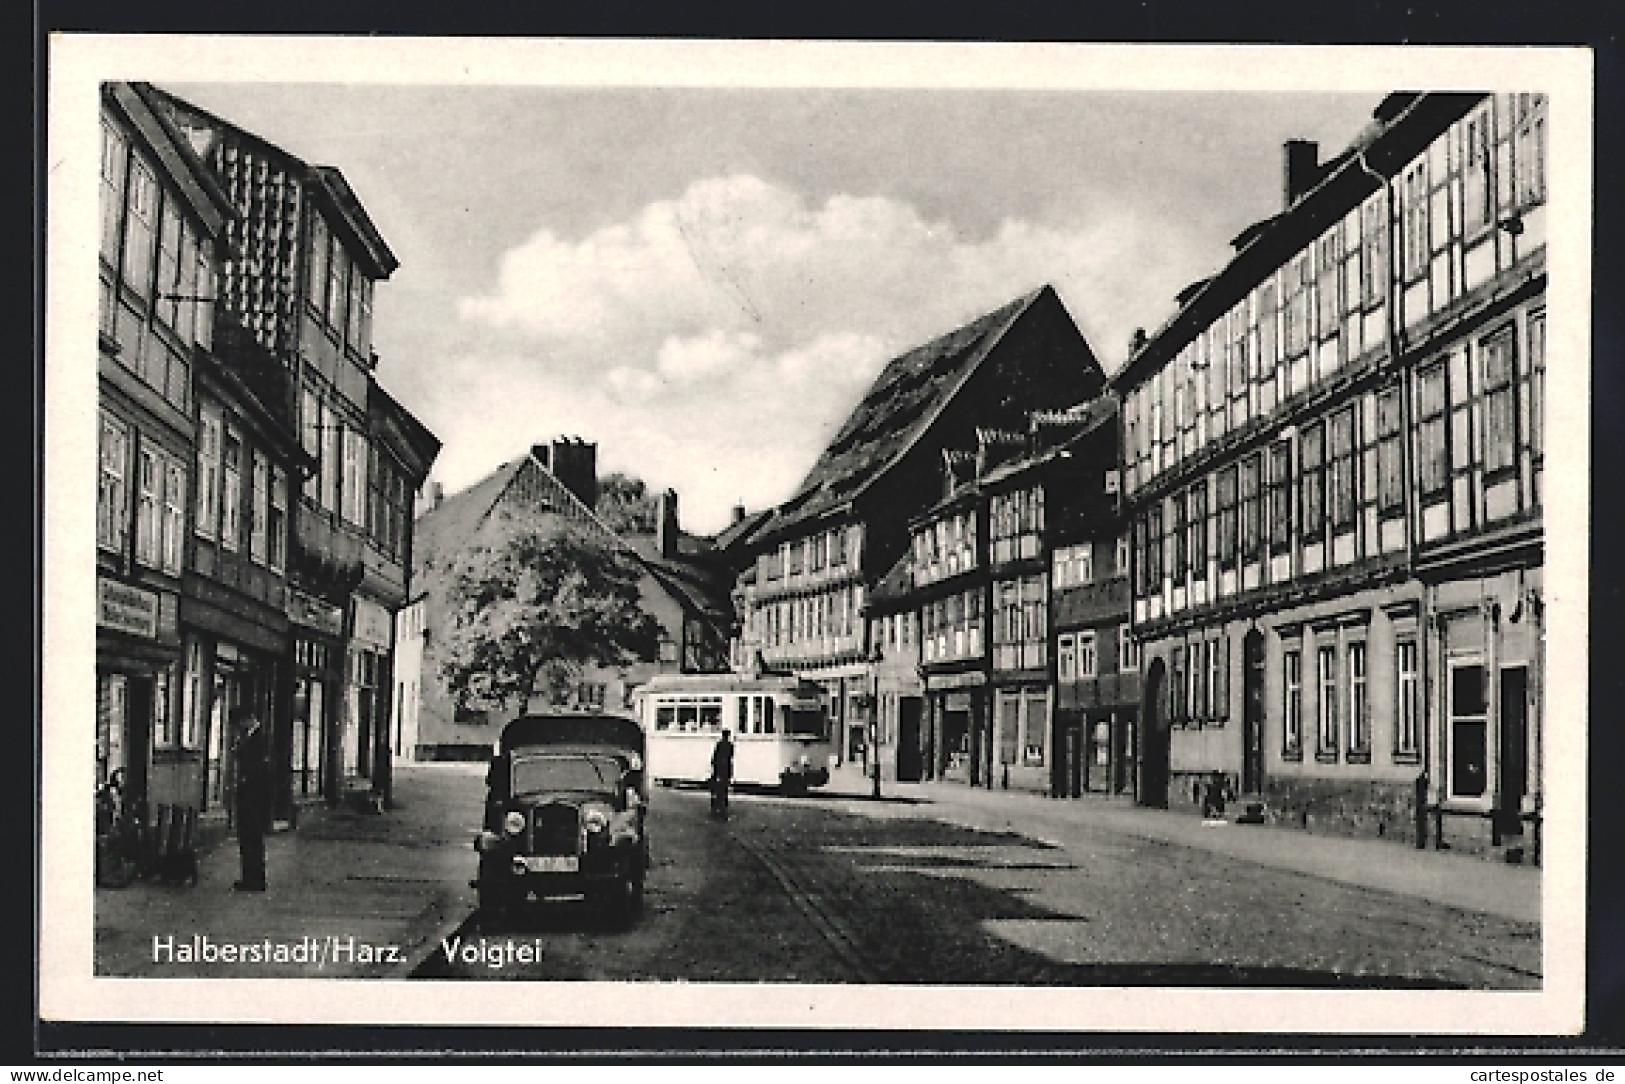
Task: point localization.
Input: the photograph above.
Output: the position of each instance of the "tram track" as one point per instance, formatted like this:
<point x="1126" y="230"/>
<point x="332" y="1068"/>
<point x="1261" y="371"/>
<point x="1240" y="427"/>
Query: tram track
<point x="830" y="927"/>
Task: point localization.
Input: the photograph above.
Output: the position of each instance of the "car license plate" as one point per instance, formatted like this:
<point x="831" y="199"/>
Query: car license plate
<point x="549" y="863"/>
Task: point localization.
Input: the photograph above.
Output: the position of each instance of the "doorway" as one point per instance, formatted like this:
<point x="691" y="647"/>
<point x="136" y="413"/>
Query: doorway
<point x="1514" y="749"/>
<point x="1252" y="718"/>
<point x="909" y="750"/>
<point x="1154" y="738"/>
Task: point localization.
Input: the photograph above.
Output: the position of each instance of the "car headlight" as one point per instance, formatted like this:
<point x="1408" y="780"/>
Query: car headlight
<point x="486" y="841"/>
<point x="513" y="823"/>
<point x="595" y="817"/>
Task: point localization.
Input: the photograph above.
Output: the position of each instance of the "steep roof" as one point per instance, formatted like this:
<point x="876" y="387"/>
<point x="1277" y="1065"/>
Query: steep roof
<point x="442" y="530"/>
<point x="739" y="533"/>
<point x="896" y="411"/>
<point x="894" y="587"/>
<point x="1085" y="417"/>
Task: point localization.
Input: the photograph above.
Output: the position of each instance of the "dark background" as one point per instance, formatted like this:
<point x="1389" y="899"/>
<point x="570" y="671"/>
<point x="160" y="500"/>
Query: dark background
<point x="1383" y="22"/>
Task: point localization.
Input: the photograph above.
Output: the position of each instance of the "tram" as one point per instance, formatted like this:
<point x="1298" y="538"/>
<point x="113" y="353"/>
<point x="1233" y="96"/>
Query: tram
<point x="779" y="725"/>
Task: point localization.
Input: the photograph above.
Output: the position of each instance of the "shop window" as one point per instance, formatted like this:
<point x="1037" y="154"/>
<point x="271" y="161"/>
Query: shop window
<point x="1292" y="704"/>
<point x="1469" y="748"/>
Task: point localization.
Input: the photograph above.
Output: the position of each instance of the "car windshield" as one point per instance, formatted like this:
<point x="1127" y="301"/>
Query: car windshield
<point x="543" y="773"/>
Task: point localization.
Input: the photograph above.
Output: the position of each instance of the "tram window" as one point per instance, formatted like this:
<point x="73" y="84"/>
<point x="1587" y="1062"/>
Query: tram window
<point x="711" y="716"/>
<point x="665" y="716"/>
<point x="742" y="720"/>
<point x="688" y="717"/>
<point x="767" y="715"/>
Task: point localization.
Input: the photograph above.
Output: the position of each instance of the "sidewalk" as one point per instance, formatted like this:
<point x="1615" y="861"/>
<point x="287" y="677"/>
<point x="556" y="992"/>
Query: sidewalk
<point x="1467" y="883"/>
<point x="351" y="894"/>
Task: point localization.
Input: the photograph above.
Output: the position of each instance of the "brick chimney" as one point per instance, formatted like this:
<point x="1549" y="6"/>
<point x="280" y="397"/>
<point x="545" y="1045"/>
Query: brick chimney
<point x="573" y="462"/>
<point x="738" y="513"/>
<point x="666" y="530"/>
<point x="1300" y="168"/>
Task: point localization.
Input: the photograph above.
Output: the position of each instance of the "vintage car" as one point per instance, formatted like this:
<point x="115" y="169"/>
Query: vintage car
<point x="566" y="801"/>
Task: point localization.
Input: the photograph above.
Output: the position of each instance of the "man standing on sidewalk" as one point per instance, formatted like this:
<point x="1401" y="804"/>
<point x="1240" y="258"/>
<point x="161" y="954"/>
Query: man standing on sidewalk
<point x="252" y="753"/>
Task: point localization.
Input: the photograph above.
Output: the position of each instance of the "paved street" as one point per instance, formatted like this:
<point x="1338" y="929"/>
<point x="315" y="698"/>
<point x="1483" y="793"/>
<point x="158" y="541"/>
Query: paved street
<point x="914" y="890"/>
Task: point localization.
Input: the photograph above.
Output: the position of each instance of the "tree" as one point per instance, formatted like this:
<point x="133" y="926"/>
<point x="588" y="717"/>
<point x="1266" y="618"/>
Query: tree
<point x="626" y="506"/>
<point x="525" y="612"/>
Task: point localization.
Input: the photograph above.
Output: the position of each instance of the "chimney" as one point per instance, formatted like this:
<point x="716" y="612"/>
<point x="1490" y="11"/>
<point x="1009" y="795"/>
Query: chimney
<point x="738" y="513"/>
<point x="666" y="525"/>
<point x="574" y="462"/>
<point x="1301" y="162"/>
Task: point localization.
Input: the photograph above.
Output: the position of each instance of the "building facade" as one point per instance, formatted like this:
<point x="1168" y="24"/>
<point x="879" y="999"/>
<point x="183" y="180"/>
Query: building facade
<point x="162" y="216"/>
<point x="1333" y="460"/>
<point x="302" y="261"/>
<point x="813" y="564"/>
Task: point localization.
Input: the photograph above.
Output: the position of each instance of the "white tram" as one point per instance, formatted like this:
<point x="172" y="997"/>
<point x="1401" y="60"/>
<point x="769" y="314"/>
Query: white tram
<point x="779" y="725"/>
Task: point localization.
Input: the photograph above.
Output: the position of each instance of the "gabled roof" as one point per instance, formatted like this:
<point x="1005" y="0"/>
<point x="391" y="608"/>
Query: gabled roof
<point x="1088" y="417"/>
<point x="894" y="586"/>
<point x="451" y="523"/>
<point x="896" y="411"/>
<point x="736" y="534"/>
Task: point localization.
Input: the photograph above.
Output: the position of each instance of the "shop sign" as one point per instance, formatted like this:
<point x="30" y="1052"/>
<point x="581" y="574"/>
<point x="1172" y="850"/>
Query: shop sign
<point x="126" y="609"/>
<point x="372" y="624"/>
<point x="313" y="613"/>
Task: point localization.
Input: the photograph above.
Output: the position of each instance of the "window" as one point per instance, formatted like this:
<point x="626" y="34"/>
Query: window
<point x="1226" y="547"/>
<point x="333" y="433"/>
<point x="1374" y="252"/>
<point x="277" y="521"/>
<point x="1529" y="139"/>
<point x="1326" y="701"/>
<point x="1329" y="301"/>
<point x="1066" y="657"/>
<point x="149" y="496"/>
<point x="1359" y="706"/>
<point x="1500" y="402"/>
<point x="1177" y="537"/>
<point x="1074" y="565"/>
<point x="259" y="507"/>
<point x="1414" y="219"/>
<point x="1153" y="563"/>
<point x="353" y="493"/>
<point x="1390" y="454"/>
<point x="1268" y="350"/>
<point x="114" y="155"/>
<point x="1434" y="448"/>
<point x="231" y="491"/>
<point x="1537" y="383"/>
<point x="204" y="286"/>
<point x="310" y="438"/>
<point x="1312" y="453"/>
<point x="1478" y="179"/>
<point x="111" y="492"/>
<point x="1280" y="496"/>
<point x="174" y="516"/>
<point x="1087" y="665"/>
<point x="316" y="282"/>
<point x="1296" y="306"/>
<point x="141" y="228"/>
<point x="192" y="695"/>
<point x="1341" y="429"/>
<point x="1251" y="512"/>
<point x="1469" y="749"/>
<point x="352" y="321"/>
<point x="337" y="273"/>
<point x="163" y="718"/>
<point x="1407" y="708"/>
<point x="1128" y="650"/>
<point x="1292" y="704"/>
<point x="1120" y="561"/>
<point x="1036" y="731"/>
<point x="1198" y="529"/>
<point x="169" y="254"/>
<point x="186" y="288"/>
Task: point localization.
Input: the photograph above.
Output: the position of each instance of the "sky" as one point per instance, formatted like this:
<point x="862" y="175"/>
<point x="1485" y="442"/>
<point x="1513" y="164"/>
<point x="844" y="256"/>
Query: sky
<point x="704" y="280"/>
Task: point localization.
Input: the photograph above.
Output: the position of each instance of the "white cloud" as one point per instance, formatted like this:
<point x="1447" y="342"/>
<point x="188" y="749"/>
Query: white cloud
<point x="713" y="342"/>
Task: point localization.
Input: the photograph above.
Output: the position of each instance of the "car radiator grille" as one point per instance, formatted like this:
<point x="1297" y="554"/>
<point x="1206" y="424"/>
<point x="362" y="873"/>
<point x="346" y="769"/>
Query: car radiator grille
<point x="555" y="829"/>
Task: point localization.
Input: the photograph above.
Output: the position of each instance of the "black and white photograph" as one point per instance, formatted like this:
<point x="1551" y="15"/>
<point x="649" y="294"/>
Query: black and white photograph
<point x="816" y="535"/>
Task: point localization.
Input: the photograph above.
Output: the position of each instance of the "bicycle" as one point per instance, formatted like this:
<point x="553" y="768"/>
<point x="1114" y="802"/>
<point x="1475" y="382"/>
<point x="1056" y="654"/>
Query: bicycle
<point x="122" y="850"/>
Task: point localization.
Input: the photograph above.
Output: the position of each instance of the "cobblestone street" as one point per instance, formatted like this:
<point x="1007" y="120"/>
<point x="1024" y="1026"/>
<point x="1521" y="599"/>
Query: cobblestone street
<point x="832" y="889"/>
